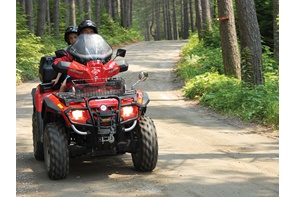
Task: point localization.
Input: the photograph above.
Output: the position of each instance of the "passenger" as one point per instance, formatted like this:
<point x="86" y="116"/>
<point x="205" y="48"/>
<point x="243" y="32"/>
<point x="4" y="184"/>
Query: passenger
<point x="70" y="37"/>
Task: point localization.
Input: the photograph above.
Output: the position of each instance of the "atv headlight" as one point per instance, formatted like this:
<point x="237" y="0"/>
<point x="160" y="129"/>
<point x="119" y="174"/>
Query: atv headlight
<point x="79" y="115"/>
<point x="129" y="112"/>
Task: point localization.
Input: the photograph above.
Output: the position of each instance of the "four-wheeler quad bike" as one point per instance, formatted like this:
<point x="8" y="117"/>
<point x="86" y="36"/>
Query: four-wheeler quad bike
<point x="99" y="116"/>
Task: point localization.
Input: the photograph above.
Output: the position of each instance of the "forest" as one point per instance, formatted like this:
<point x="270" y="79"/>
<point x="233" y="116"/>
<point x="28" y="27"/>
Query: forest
<point x="230" y="64"/>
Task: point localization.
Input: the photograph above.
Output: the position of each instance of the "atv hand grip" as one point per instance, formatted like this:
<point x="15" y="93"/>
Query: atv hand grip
<point x="62" y="67"/>
<point x="123" y="65"/>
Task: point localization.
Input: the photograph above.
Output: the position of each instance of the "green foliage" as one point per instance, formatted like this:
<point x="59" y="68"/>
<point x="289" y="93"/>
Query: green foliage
<point x="212" y="38"/>
<point x="200" y="67"/>
<point x="264" y="11"/>
<point x="209" y="82"/>
<point x="269" y="64"/>
<point x="198" y="59"/>
<point x="28" y="57"/>
<point x="28" y="49"/>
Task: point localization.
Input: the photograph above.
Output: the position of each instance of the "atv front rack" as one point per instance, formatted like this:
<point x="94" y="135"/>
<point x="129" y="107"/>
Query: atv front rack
<point x="98" y="87"/>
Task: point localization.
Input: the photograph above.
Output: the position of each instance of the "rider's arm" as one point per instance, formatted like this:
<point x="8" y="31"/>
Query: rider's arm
<point x="56" y="79"/>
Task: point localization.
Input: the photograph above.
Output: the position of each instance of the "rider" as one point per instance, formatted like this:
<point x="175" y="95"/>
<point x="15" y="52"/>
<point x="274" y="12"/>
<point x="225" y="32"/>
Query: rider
<point x="85" y="27"/>
<point x="70" y="37"/>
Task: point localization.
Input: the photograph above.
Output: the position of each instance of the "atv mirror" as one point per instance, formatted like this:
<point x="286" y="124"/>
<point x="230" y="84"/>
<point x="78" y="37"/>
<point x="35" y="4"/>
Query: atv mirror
<point x="121" y="52"/>
<point x="143" y="76"/>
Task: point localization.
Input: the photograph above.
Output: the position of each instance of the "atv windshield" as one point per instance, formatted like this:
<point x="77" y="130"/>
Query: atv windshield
<point x="90" y="47"/>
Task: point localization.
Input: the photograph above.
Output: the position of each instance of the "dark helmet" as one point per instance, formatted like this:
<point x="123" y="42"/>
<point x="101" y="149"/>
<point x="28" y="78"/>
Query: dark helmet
<point x="69" y="30"/>
<point x="87" y="23"/>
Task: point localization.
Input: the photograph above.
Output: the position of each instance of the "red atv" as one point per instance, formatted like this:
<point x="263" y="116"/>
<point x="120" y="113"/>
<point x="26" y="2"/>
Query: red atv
<point x="99" y="116"/>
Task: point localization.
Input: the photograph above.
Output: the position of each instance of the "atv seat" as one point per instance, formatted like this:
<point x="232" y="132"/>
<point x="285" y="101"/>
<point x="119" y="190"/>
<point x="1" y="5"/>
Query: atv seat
<point x="47" y="73"/>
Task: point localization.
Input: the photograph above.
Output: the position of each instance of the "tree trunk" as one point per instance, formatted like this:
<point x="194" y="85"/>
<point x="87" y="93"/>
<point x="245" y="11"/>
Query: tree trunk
<point x="72" y="13"/>
<point x="181" y="18"/>
<point x="175" y="25"/>
<point x="48" y="17"/>
<point x="41" y="21"/>
<point x="228" y="38"/>
<point x="158" y="24"/>
<point x="130" y="13"/>
<point x="185" y="34"/>
<point x="276" y="29"/>
<point x="108" y="6"/>
<point x="169" y="26"/>
<point x="56" y="18"/>
<point x="251" y="51"/>
<point x="167" y="19"/>
<point x="80" y="11"/>
<point x="199" y="21"/>
<point x="165" y="25"/>
<point x="98" y="4"/>
<point x="191" y="11"/>
<point x="126" y="13"/>
<point x="114" y="10"/>
<point x="147" y="31"/>
<point x="88" y="12"/>
<point x="123" y="13"/>
<point x="152" y="31"/>
<point x="206" y="15"/>
<point x="30" y="15"/>
<point x="67" y="12"/>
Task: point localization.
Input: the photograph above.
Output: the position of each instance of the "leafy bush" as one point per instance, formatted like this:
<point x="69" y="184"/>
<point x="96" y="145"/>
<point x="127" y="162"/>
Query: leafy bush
<point x="28" y="57"/>
<point x="28" y="51"/>
<point x="212" y="38"/>
<point x="201" y="68"/>
<point x="198" y="59"/>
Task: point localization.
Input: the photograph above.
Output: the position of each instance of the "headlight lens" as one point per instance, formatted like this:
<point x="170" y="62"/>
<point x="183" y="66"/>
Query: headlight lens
<point x="79" y="115"/>
<point x="129" y="112"/>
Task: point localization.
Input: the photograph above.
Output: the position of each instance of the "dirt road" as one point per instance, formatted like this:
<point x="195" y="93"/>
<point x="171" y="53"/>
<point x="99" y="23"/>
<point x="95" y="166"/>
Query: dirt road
<point x="201" y="154"/>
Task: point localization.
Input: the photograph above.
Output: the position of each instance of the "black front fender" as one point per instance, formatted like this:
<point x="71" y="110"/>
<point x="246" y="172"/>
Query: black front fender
<point x="48" y="105"/>
<point x="146" y="99"/>
<point x="33" y="92"/>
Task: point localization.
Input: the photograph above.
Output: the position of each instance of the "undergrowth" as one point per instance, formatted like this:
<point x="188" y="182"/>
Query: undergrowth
<point x="202" y="70"/>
